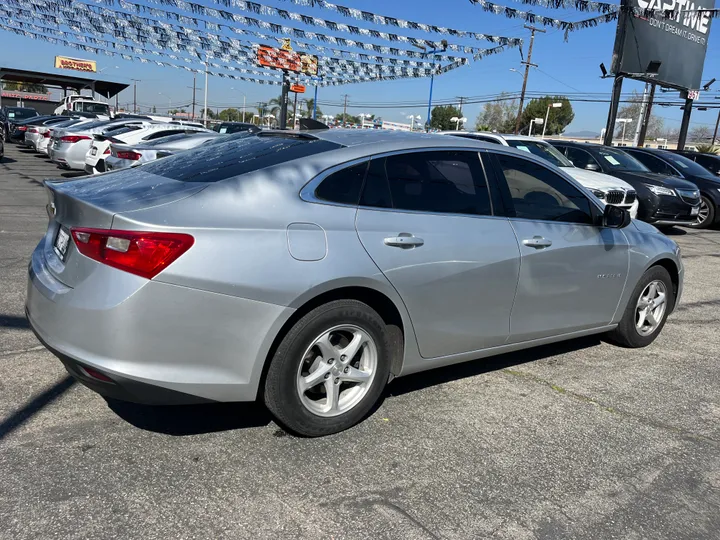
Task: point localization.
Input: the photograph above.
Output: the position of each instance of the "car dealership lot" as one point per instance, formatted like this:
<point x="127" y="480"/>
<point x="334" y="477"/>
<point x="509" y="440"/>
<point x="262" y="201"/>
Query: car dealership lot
<point x="576" y="440"/>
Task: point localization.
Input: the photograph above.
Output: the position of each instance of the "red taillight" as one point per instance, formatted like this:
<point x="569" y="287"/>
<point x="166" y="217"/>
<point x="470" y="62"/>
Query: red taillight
<point x="33" y="130"/>
<point x="74" y="138"/>
<point x="96" y="374"/>
<point x="107" y="151"/>
<point x="128" y="154"/>
<point x="46" y="135"/>
<point x="22" y="128"/>
<point x="145" y="254"/>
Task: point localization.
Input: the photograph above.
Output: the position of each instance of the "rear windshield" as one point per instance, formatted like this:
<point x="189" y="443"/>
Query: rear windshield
<point x="18" y="113"/>
<point x="215" y="162"/>
<point x="617" y="160"/>
<point x="542" y="150"/>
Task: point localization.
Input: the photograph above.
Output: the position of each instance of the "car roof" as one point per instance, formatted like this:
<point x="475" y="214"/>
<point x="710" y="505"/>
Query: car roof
<point x="393" y="140"/>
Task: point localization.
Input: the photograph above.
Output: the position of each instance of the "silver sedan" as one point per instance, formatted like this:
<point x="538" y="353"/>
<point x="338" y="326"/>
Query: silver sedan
<point x="310" y="269"/>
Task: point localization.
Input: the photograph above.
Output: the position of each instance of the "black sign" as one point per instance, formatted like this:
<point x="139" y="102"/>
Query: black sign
<point x="679" y="42"/>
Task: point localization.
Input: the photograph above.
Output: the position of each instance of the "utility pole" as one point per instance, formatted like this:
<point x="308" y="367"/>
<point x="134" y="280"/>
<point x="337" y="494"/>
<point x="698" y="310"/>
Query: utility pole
<point x="345" y="110"/>
<point x="648" y="113"/>
<point x="528" y="64"/>
<point x="641" y="116"/>
<point x="461" y="98"/>
<point x="717" y="124"/>
<point x="135" y="81"/>
<point x="206" y="91"/>
<point x="193" y="100"/>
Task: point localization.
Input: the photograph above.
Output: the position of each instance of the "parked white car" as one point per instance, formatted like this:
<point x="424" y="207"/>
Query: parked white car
<point x="130" y="135"/>
<point x="608" y="189"/>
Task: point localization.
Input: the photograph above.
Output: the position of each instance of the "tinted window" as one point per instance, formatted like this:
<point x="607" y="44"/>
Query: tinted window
<point x="541" y="150"/>
<point x="376" y="192"/>
<point x="215" y="162"/>
<point x="94" y="108"/>
<point x="710" y="163"/>
<point x="656" y="165"/>
<point x="687" y="166"/>
<point x="163" y="133"/>
<point x="18" y="113"/>
<point x="540" y="194"/>
<point x="580" y="158"/>
<point x="343" y="186"/>
<point x="448" y="182"/>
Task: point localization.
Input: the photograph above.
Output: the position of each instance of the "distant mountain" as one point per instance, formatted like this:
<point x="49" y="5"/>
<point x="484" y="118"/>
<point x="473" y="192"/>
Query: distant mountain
<point x="582" y="134"/>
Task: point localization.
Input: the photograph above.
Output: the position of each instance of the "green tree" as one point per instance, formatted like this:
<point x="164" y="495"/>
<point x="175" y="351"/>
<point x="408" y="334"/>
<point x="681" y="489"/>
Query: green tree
<point x="499" y="115"/>
<point x="558" y="119"/>
<point x="441" y="115"/>
<point x="210" y="114"/>
<point x="310" y="103"/>
<point x="25" y="87"/>
<point x="230" y="115"/>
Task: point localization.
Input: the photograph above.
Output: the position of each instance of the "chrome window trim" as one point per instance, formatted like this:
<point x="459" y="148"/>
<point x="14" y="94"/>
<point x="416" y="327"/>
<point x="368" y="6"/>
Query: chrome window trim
<point x="307" y="193"/>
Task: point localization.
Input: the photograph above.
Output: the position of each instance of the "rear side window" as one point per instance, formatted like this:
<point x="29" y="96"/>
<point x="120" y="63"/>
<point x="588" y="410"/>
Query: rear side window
<point x="710" y="163"/>
<point x="343" y="186"/>
<point x="219" y="161"/>
<point x="164" y="133"/>
<point x="449" y="182"/>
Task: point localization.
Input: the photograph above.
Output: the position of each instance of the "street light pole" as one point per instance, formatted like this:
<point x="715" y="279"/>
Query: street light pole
<point x="547" y="113"/>
<point x="432" y="78"/>
<point x="205" y="115"/>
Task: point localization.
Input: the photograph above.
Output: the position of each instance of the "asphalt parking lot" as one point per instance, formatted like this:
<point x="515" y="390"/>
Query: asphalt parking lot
<point x="577" y="440"/>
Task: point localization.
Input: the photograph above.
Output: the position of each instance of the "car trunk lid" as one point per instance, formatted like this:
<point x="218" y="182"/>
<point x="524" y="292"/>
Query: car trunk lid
<point x="93" y="203"/>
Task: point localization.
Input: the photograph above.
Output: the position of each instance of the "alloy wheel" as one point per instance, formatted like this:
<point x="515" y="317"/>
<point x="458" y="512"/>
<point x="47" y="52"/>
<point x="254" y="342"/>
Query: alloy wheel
<point x="650" y="308"/>
<point x="703" y="213"/>
<point x="337" y="370"/>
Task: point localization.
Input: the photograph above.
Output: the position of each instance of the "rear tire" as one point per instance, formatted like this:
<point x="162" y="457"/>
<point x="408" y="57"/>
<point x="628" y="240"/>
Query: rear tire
<point x="645" y="314"/>
<point x="312" y="388"/>
<point x="706" y="218"/>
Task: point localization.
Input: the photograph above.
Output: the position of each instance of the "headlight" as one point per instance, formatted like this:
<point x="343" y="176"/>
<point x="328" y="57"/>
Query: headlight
<point x="660" y="190"/>
<point x="600" y="194"/>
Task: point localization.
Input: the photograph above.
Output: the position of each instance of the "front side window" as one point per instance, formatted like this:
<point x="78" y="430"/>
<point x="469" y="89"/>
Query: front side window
<point x="539" y="194"/>
<point x="449" y="182"/>
<point x="343" y="186"/>
<point x="581" y="158"/>
<point x="654" y="164"/>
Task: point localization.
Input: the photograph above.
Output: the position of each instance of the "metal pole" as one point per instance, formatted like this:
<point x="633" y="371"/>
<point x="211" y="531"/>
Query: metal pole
<point x="193" y="103"/>
<point x="547" y="114"/>
<point x="345" y="111"/>
<point x="284" y="101"/>
<point x="612" y="114"/>
<point x="648" y="112"/>
<point x="295" y="110"/>
<point x="527" y="73"/>
<point x="530" y="129"/>
<point x="641" y="117"/>
<point x="205" y="115"/>
<point x="135" y="97"/>
<point x="623" y="135"/>
<point x="717" y="123"/>
<point x="244" y="98"/>
<point x="687" y="109"/>
<point x="315" y="104"/>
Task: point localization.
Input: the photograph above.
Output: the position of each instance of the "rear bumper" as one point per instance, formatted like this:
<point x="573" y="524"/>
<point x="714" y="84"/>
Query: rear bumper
<point x="159" y="343"/>
<point x="69" y="156"/>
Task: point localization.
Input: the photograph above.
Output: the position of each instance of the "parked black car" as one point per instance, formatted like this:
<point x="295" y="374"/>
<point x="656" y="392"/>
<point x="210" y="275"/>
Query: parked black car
<point x="710" y="161"/>
<point x="664" y="200"/>
<point x="235" y="127"/>
<point x="9" y="116"/>
<point x="2" y="148"/>
<point x="20" y="128"/>
<point x="668" y="163"/>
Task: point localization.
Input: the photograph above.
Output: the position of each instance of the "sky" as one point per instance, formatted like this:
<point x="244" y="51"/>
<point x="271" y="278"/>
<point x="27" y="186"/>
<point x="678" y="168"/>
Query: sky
<point x="563" y="66"/>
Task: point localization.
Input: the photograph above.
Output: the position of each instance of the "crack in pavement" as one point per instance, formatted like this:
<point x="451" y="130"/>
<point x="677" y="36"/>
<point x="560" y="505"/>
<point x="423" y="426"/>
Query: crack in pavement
<point x="626" y="414"/>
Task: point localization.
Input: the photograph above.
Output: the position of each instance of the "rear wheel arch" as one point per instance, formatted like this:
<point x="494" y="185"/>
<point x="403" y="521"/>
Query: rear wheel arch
<point x="380" y="302"/>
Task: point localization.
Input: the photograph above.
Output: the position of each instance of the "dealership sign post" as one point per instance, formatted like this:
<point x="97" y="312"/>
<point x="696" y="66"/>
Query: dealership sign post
<point x="287" y="60"/>
<point x="661" y="42"/>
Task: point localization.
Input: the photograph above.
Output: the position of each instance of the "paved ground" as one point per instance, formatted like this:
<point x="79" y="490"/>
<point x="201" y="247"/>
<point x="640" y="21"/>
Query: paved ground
<point x="581" y="440"/>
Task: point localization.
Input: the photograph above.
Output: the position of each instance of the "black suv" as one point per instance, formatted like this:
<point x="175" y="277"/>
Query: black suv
<point x="9" y="116"/>
<point x="710" y="161"/>
<point x="664" y="200"/>
<point x="668" y="163"/>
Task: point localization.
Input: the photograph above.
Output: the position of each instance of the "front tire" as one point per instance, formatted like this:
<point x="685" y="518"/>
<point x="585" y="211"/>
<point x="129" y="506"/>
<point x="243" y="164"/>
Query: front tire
<point x="329" y="370"/>
<point x="646" y="313"/>
<point x="706" y="217"/>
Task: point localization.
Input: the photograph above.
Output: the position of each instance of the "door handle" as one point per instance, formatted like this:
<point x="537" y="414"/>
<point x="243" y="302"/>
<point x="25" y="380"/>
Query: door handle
<point x="404" y="240"/>
<point x="537" y="242"/>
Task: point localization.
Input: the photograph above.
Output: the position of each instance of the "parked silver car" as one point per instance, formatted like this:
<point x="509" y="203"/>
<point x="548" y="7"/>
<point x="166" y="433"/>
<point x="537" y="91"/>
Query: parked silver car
<point x="123" y="156"/>
<point x="309" y="269"/>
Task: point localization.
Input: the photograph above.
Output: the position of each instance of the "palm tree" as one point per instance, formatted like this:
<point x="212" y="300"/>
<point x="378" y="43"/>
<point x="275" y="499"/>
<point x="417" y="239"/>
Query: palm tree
<point x="310" y="104"/>
<point x="275" y="103"/>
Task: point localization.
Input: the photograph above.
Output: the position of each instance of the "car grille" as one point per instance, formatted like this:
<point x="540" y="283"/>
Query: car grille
<point x="690" y="196"/>
<point x="614" y="197"/>
<point x="630" y="197"/>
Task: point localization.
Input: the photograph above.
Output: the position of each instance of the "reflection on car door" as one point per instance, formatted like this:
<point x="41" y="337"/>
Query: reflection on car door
<point x="425" y="218"/>
<point x="572" y="272"/>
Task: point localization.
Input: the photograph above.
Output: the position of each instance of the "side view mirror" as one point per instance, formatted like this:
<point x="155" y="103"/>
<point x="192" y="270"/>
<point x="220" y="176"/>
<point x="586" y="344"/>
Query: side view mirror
<point x="592" y="167"/>
<point x="615" y="217"/>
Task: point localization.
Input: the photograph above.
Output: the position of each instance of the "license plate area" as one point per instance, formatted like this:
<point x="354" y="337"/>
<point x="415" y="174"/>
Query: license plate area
<point x="62" y="242"/>
<point x="93" y="152"/>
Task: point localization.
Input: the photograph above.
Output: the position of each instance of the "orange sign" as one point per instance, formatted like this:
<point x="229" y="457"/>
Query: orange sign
<point x="297" y="88"/>
<point x="273" y="57"/>
<point x="63" y="62"/>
